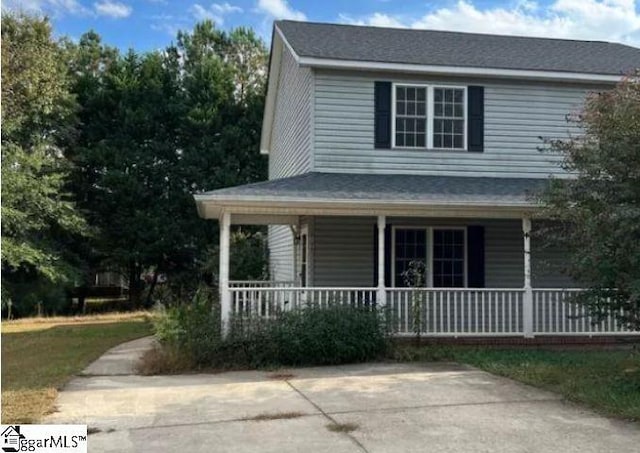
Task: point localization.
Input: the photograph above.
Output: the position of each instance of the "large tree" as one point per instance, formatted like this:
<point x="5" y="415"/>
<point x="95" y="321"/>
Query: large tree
<point x="156" y="128"/>
<point x="39" y="218"/>
<point x="596" y="216"/>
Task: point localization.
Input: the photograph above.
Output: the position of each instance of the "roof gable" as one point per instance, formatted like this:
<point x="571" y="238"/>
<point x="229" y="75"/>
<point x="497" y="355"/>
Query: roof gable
<point x="454" y="49"/>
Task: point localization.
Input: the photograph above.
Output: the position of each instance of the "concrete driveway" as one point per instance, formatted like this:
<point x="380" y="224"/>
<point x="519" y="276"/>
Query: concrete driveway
<point x="356" y="408"/>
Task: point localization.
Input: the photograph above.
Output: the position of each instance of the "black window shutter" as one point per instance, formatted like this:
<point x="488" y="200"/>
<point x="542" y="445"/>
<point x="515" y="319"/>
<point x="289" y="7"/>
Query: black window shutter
<point x="387" y="255"/>
<point x="475" y="256"/>
<point x="382" y="111"/>
<point x="475" y="119"/>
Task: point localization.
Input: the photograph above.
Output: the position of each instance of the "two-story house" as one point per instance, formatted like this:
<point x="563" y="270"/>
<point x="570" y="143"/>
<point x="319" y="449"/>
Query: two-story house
<point x="392" y="146"/>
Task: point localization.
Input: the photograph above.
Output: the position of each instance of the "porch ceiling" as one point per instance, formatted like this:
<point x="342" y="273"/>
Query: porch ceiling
<point x="366" y="194"/>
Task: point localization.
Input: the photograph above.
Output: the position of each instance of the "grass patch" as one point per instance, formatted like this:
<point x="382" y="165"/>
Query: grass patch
<point x="605" y="380"/>
<point x="275" y="416"/>
<point x="342" y="427"/>
<point x="40" y="354"/>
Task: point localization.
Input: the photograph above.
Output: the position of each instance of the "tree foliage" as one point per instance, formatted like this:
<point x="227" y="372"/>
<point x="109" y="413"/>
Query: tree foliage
<point x="39" y="217"/>
<point x="596" y="216"/>
<point x="156" y="128"/>
<point x="126" y="139"/>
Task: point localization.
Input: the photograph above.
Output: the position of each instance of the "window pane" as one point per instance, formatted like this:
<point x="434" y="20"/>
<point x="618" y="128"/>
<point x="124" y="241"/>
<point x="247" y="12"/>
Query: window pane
<point x="448" y="95"/>
<point x="410" y="246"/>
<point x="448" y="256"/>
<point x="411" y="113"/>
<point x="410" y="140"/>
<point x="448" y="110"/>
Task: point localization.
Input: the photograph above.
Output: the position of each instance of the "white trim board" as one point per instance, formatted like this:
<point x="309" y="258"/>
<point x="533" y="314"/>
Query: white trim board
<point x="522" y="74"/>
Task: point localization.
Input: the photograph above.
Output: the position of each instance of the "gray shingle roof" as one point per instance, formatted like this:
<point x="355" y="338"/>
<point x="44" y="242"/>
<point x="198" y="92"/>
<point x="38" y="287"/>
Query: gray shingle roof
<point x="387" y="188"/>
<point x="442" y="48"/>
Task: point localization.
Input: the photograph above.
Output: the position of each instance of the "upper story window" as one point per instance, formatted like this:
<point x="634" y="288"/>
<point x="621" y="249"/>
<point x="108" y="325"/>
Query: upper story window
<point x="411" y="116"/>
<point x="426" y="116"/>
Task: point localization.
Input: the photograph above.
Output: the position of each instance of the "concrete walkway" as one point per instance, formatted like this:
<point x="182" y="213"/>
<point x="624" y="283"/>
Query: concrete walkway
<point x="374" y="408"/>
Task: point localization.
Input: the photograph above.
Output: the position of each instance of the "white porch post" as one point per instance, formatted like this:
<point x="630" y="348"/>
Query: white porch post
<point x="225" y="296"/>
<point x="382" y="293"/>
<point x="527" y="301"/>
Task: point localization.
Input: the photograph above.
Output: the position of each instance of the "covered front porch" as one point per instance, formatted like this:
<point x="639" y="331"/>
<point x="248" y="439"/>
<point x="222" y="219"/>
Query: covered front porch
<point x="349" y="239"/>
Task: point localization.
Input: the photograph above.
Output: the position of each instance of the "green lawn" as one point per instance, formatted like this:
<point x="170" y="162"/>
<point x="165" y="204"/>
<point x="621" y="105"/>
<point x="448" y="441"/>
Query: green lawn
<point x="40" y="355"/>
<point x="605" y="380"/>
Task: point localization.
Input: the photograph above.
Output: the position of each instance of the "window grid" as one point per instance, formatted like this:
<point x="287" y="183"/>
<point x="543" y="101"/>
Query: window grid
<point x="448" y="258"/>
<point x="410" y="245"/>
<point x="429" y="117"/>
<point x="448" y="118"/>
<point x="411" y="116"/>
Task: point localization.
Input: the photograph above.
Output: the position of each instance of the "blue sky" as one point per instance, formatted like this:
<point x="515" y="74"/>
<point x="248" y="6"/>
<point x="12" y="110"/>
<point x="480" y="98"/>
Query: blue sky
<point x="152" y="24"/>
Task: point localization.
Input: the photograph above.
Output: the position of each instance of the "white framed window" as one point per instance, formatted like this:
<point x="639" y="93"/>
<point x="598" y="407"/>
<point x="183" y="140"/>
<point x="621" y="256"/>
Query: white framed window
<point x="429" y="116"/>
<point x="442" y="249"/>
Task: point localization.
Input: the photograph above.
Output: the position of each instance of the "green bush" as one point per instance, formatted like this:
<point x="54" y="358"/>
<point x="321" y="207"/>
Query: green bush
<point x="192" y="329"/>
<point x="311" y="336"/>
<point x="333" y="335"/>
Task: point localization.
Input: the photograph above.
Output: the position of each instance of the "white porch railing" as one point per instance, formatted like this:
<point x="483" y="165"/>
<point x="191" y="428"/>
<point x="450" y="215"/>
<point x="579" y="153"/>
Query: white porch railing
<point x="436" y="312"/>
<point x="268" y="301"/>
<point x="554" y="315"/>
<point x="455" y="311"/>
<point x="259" y="284"/>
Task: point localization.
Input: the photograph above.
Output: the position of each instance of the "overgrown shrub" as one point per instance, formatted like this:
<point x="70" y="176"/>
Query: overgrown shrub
<point x="191" y="329"/>
<point x="310" y="336"/>
<point x="331" y="335"/>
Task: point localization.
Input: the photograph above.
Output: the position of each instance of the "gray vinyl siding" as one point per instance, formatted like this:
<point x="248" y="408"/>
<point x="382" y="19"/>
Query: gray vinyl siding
<point x="516" y="116"/>
<point x="280" y="253"/>
<point x="290" y="152"/>
<point x="291" y="141"/>
<point x="343" y="253"/>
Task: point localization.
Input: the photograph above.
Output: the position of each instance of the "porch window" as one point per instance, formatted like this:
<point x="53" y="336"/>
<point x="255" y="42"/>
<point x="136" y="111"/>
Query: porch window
<point x="448" y="258"/>
<point x="410" y="245"/>
<point x="429" y="117"/>
<point x="442" y="250"/>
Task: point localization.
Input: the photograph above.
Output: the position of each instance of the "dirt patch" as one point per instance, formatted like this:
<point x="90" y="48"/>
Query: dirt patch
<point x="275" y="416"/>
<point x="342" y="427"/>
<point x="281" y="376"/>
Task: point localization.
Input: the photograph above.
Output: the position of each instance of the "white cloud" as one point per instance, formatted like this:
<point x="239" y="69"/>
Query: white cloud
<point x="216" y="12"/>
<point x="55" y="8"/>
<point x="115" y="10"/>
<point x="279" y="9"/>
<point x="610" y="20"/>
